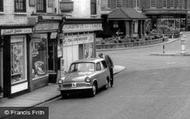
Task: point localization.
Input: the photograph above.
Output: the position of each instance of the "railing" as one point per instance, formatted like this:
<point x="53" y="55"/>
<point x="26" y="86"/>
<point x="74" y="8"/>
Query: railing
<point x="129" y="44"/>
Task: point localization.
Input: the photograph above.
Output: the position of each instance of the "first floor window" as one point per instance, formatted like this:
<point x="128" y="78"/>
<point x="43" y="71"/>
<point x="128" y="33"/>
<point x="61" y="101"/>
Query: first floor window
<point x="20" y="5"/>
<point x="93" y="7"/>
<point x="18" y="59"/>
<point x="1" y="5"/>
<point x="41" y="5"/>
<point x="153" y="3"/>
<point x="39" y="55"/>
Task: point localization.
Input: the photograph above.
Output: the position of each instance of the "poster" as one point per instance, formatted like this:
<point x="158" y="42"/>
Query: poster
<point x="39" y="57"/>
<point x="17" y="61"/>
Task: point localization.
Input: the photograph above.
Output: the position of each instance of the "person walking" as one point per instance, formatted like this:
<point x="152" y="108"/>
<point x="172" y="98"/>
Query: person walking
<point x="110" y="64"/>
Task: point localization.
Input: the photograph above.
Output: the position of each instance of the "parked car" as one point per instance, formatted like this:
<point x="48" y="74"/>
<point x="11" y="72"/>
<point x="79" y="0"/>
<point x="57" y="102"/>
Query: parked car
<point x="85" y="75"/>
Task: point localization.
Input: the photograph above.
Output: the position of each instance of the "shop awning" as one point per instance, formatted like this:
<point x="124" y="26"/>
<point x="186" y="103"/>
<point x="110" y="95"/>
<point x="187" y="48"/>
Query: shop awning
<point x="125" y="14"/>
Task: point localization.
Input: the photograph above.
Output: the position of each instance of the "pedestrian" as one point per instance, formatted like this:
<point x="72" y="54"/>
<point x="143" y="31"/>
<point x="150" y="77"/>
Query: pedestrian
<point x="109" y="62"/>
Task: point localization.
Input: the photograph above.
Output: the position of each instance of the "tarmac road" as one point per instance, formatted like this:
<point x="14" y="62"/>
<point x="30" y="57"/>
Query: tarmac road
<point x="151" y="87"/>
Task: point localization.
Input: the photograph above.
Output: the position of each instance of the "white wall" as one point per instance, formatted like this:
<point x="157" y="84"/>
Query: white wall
<point x="82" y="9"/>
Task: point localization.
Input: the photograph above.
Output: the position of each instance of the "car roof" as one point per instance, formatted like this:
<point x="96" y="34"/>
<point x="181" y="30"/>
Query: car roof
<point x="93" y="60"/>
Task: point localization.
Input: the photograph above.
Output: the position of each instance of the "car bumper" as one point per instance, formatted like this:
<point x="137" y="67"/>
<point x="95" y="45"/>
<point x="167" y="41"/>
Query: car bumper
<point x="77" y="86"/>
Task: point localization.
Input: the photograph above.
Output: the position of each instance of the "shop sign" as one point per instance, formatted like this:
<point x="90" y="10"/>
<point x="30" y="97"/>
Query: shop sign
<point x="78" y="39"/>
<point x="46" y="27"/>
<point x="16" y="31"/>
<point x="81" y="27"/>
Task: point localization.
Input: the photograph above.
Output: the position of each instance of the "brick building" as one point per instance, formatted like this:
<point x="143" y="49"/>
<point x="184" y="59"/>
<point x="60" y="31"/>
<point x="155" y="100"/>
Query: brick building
<point x="171" y="13"/>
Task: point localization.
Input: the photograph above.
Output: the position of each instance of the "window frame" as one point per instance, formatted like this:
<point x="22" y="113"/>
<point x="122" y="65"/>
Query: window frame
<point x="44" y="6"/>
<point x="104" y="64"/>
<point x="93" y="7"/>
<point x="23" y="2"/>
<point x="1" y="5"/>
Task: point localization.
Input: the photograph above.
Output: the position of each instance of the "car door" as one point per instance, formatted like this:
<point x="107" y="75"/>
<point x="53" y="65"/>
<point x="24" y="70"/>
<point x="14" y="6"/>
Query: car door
<point x="99" y="74"/>
<point x="104" y="71"/>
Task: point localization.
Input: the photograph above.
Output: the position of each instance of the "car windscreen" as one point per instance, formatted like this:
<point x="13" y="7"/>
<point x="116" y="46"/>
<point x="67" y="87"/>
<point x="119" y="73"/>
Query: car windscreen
<point x="82" y="67"/>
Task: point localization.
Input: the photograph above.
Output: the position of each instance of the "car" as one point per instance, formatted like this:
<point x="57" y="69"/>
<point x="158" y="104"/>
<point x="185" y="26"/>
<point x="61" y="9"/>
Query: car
<point x="85" y="75"/>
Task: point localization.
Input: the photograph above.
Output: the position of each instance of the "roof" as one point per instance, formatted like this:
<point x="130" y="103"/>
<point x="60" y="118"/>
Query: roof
<point x="124" y="13"/>
<point x="89" y="60"/>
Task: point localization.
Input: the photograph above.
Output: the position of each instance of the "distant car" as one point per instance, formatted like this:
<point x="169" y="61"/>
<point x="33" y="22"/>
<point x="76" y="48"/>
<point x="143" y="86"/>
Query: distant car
<point x="85" y="75"/>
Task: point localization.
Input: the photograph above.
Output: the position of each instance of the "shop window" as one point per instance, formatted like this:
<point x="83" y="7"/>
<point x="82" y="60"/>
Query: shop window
<point x="1" y="5"/>
<point x="18" y="60"/>
<point x="88" y="50"/>
<point x="93" y="7"/>
<point x="39" y="56"/>
<point x="50" y="3"/>
<point x="41" y="5"/>
<point x="164" y="3"/>
<point x="20" y="5"/>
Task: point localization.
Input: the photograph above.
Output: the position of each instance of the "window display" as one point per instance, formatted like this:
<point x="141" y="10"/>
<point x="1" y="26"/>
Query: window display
<point x="18" y="59"/>
<point x="39" y="56"/>
<point x="88" y="50"/>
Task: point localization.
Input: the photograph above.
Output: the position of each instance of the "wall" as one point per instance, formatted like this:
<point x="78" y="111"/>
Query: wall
<point x="10" y="17"/>
<point x="82" y="9"/>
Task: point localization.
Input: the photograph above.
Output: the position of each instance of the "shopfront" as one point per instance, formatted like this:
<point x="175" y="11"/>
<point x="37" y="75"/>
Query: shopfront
<point x="15" y="59"/>
<point x="78" y="40"/>
<point x="43" y="49"/>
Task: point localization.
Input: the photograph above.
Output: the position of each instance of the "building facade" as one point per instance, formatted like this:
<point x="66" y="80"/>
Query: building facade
<point x="33" y="40"/>
<point x="24" y="44"/>
<point x="173" y="14"/>
<point x="78" y="35"/>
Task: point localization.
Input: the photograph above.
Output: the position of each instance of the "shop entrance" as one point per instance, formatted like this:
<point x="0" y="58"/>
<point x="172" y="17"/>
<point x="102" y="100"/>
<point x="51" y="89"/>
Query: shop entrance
<point x="52" y="58"/>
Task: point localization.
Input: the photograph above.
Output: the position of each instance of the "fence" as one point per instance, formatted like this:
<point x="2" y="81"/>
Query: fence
<point x="129" y="44"/>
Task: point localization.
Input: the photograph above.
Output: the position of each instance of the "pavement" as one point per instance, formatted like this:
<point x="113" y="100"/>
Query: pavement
<point x="40" y="96"/>
<point x="171" y="53"/>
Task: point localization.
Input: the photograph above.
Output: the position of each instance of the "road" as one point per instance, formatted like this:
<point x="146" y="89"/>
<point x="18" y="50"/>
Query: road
<point x="151" y="87"/>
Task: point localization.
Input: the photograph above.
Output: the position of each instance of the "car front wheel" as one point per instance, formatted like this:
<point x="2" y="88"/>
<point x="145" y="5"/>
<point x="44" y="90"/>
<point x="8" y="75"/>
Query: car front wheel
<point x="93" y="90"/>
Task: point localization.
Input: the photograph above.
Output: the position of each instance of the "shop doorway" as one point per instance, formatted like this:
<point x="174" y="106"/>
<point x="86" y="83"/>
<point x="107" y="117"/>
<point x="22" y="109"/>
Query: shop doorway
<point x="52" y="58"/>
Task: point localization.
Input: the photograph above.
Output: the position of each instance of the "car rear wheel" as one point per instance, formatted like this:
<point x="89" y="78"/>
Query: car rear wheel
<point x="93" y="90"/>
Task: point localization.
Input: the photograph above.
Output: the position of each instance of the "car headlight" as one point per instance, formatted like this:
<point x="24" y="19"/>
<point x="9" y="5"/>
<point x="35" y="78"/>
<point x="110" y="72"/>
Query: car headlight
<point x="61" y="80"/>
<point x="87" y="79"/>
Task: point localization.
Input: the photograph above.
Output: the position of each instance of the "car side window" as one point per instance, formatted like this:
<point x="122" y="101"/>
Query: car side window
<point x="73" y="68"/>
<point x="98" y="66"/>
<point x="104" y="64"/>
